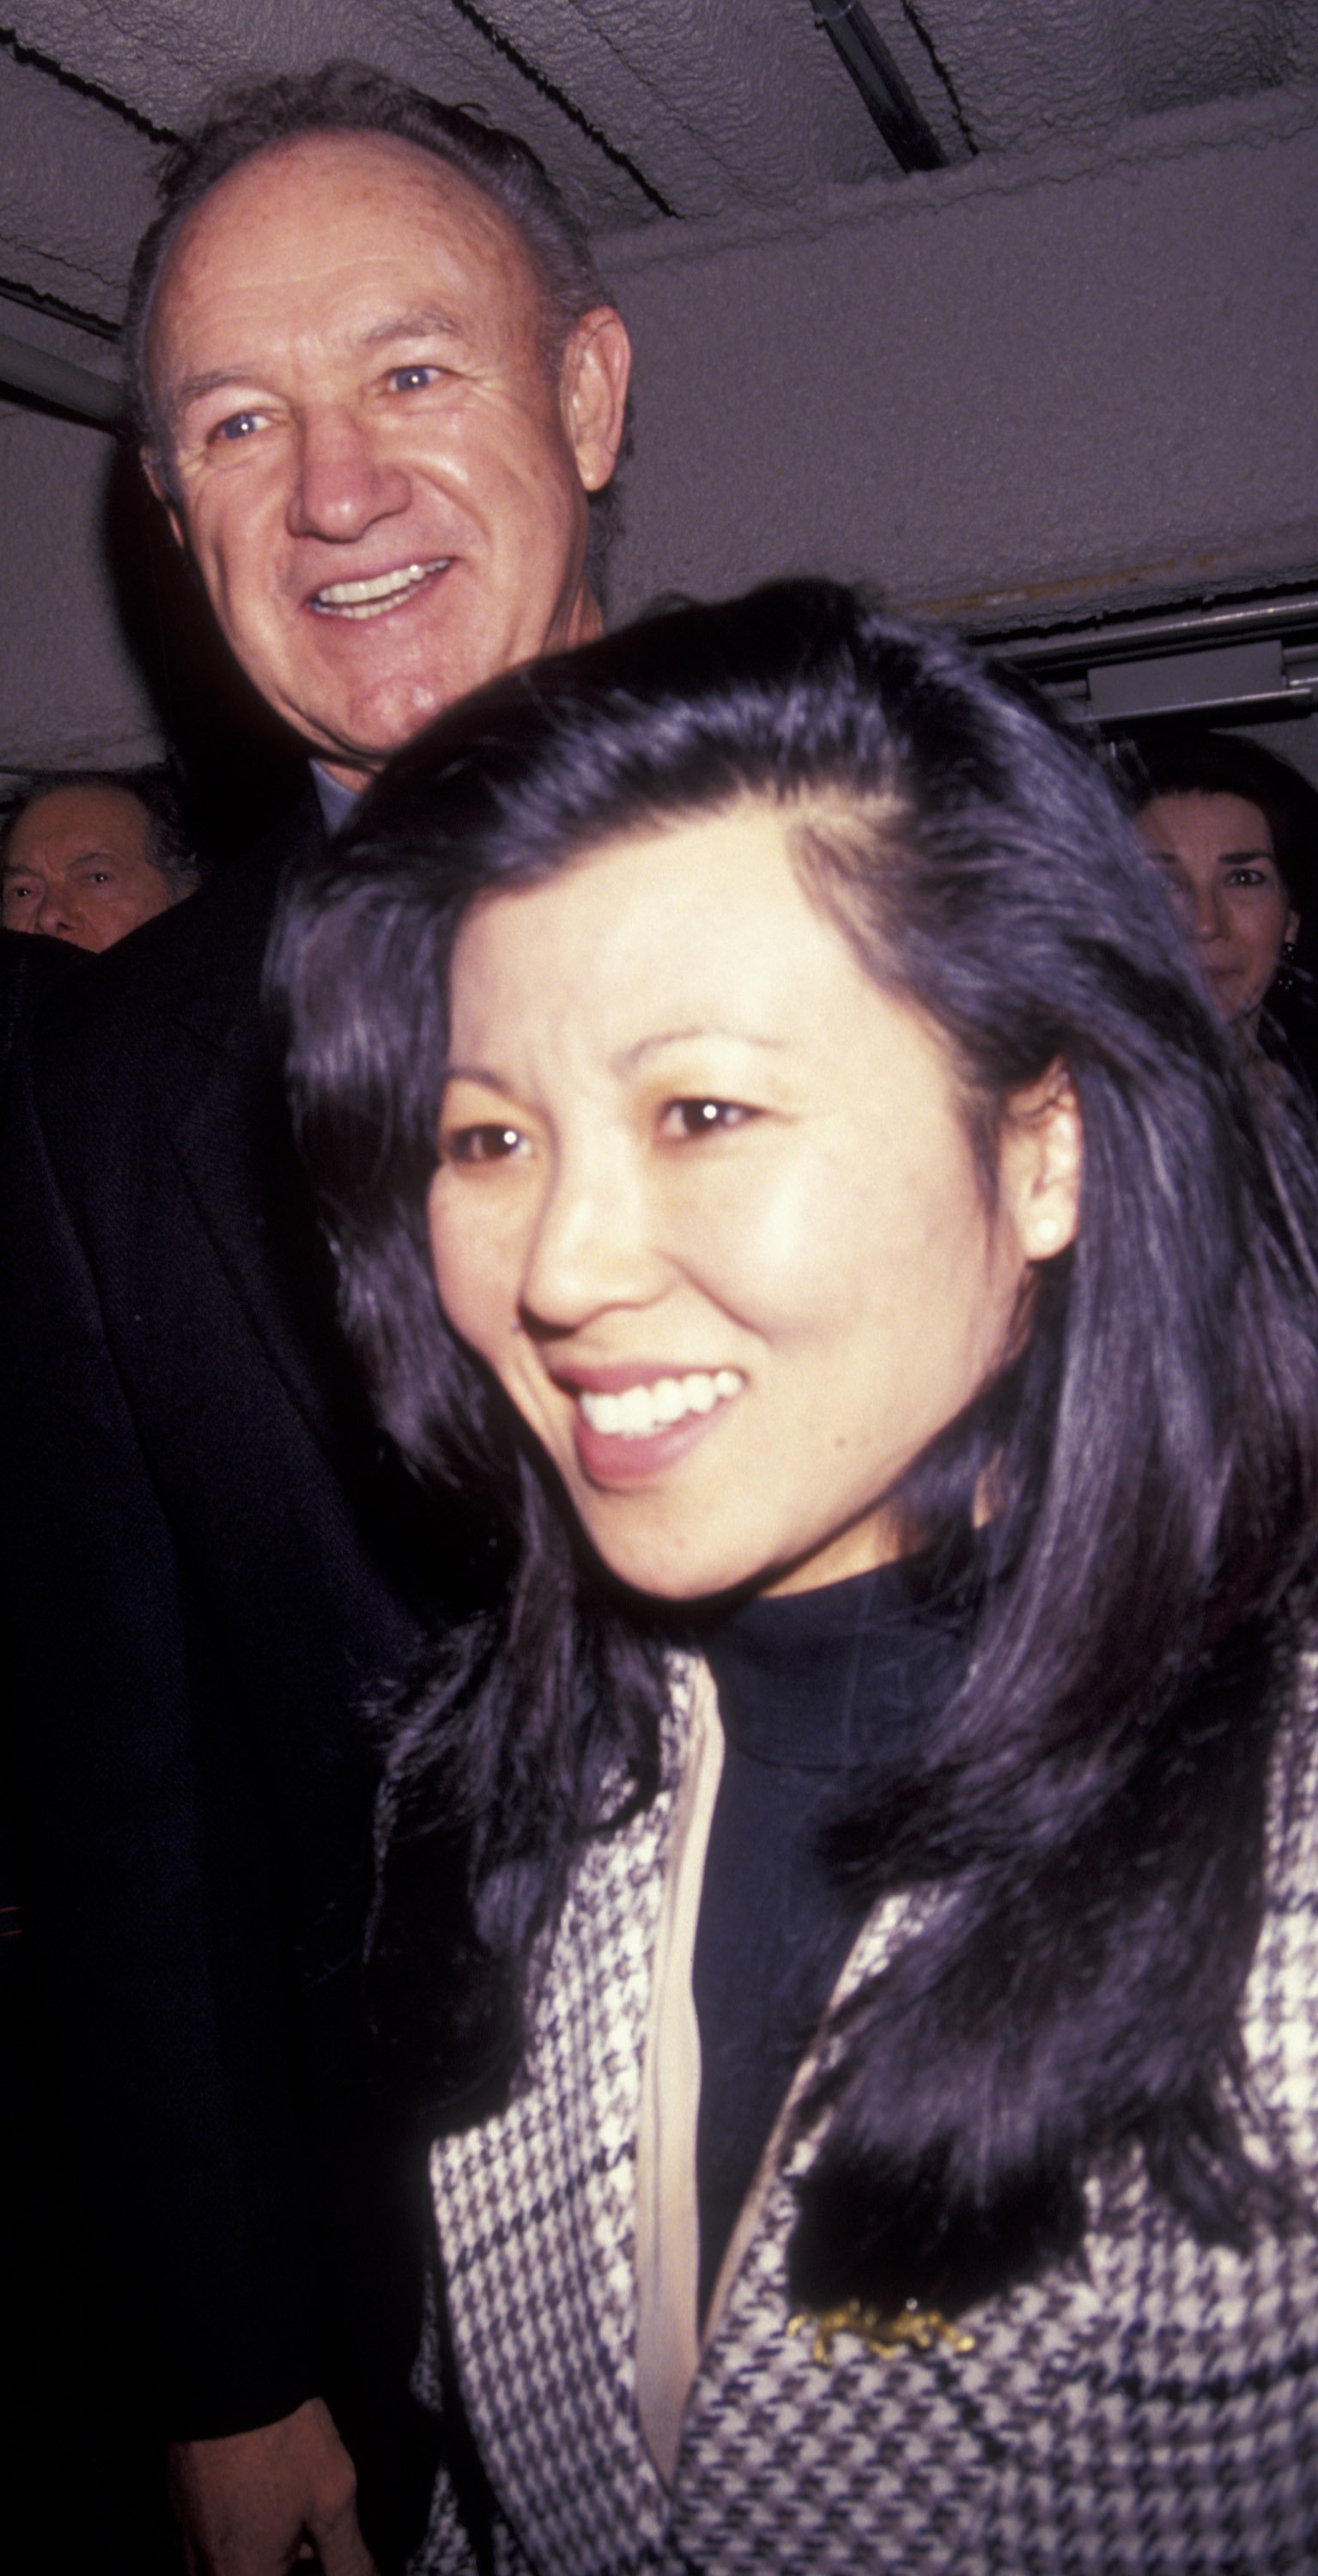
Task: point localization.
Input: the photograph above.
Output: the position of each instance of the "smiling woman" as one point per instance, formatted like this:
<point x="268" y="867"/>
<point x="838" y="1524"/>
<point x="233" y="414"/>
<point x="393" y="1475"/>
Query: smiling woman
<point x="710" y="1209"/>
<point x="852" y="1889"/>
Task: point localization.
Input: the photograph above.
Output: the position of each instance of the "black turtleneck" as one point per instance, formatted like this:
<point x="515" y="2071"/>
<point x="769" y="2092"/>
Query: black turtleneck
<point x="817" y="1692"/>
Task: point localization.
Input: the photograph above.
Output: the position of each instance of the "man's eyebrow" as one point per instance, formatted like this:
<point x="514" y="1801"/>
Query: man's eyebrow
<point x="424" y="322"/>
<point x="216" y="380"/>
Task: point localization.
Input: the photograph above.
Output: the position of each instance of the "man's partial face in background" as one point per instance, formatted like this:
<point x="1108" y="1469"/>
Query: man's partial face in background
<point x="380" y="471"/>
<point x="77" y="866"/>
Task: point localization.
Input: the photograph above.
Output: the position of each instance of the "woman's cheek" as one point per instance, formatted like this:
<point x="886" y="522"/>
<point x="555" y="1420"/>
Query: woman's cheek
<point x="763" y="1243"/>
<point x="473" y="1273"/>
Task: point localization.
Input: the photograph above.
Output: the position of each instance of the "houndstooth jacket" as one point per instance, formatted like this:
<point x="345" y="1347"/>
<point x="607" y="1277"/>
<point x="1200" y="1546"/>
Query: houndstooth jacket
<point x="1153" y="2407"/>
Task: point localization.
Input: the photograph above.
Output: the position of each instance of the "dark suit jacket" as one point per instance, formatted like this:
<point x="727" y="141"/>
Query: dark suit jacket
<point x="208" y="1560"/>
<point x="29" y="964"/>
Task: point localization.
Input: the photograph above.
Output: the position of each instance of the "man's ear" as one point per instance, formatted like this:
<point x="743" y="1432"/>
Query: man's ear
<point x="151" y="468"/>
<point x="1041" y="1158"/>
<point x="592" y="388"/>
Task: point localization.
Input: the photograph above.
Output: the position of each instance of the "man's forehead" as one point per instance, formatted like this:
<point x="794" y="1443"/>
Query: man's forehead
<point x="299" y="198"/>
<point x="76" y="814"/>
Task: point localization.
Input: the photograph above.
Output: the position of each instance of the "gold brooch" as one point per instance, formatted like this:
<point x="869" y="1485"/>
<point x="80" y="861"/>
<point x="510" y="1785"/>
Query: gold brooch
<point x="920" y="2327"/>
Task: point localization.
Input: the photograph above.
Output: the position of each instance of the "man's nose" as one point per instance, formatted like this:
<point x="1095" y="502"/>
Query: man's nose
<point x="594" y="1246"/>
<point x="56" y="917"/>
<point x="343" y="484"/>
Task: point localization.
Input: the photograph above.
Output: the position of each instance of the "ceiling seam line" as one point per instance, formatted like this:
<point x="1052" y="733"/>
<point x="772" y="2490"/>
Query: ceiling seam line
<point x="502" y="44"/>
<point x="57" y="309"/>
<point x="31" y="60"/>
<point x="911" y="12"/>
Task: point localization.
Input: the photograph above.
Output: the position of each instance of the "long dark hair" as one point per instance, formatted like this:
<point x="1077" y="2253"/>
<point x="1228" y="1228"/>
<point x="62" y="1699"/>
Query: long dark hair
<point x="1089" y="1806"/>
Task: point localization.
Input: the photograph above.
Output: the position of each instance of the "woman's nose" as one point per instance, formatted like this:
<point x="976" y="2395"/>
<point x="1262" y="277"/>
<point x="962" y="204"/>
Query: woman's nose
<point x="594" y="1246"/>
<point x="1210" y="920"/>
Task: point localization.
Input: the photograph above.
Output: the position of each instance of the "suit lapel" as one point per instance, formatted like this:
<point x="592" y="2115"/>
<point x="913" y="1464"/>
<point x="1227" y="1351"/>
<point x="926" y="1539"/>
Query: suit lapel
<point x="229" y="1131"/>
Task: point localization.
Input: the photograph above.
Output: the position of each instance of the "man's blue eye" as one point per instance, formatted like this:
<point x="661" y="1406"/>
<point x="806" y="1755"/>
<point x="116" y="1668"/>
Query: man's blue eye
<point x="239" y="425"/>
<point x="411" y="380"/>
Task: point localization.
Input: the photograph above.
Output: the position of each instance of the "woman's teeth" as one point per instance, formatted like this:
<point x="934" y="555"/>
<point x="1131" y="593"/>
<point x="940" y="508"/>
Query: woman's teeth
<point x="641" y="1410"/>
<point x="371" y="598"/>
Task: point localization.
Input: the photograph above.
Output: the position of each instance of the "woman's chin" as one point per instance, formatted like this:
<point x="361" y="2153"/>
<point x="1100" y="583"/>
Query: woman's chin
<point x="678" y="1574"/>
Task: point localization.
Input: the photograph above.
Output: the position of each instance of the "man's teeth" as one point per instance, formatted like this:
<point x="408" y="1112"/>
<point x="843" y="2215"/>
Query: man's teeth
<point x="371" y="598"/>
<point x="639" y="1410"/>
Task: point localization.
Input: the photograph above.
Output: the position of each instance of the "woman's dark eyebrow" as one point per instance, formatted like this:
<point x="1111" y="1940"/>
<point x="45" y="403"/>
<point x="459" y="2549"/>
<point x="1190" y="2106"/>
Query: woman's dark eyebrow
<point x="629" y="1057"/>
<point x="481" y="1073"/>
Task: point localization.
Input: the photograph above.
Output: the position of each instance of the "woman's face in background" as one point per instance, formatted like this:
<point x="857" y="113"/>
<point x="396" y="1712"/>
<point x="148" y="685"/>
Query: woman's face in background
<point x="708" y="1207"/>
<point x="1227" y="892"/>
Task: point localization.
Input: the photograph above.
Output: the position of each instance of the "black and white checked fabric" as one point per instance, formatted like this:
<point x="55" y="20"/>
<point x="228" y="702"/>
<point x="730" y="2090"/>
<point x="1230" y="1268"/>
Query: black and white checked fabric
<point x="1150" y="2412"/>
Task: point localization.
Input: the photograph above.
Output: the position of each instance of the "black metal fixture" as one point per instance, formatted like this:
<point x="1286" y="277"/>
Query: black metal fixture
<point x="910" y="139"/>
<point x="58" y="384"/>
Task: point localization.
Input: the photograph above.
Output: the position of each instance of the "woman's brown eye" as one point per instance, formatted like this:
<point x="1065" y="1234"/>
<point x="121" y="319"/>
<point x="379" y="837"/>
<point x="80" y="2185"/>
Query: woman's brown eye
<point x="705" y="1117"/>
<point x="490" y="1143"/>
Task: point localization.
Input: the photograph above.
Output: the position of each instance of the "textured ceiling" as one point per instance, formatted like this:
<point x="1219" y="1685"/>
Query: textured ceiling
<point x="649" y="114"/>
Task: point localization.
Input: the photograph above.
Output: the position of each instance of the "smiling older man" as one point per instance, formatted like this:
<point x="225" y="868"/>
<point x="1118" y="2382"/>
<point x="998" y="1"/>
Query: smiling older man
<point x="379" y="383"/>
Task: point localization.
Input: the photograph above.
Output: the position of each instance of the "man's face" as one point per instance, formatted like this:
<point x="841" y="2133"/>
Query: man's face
<point x="379" y="474"/>
<point x="77" y="868"/>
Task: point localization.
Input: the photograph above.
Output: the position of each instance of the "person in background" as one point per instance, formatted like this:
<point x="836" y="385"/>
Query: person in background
<point x="1235" y="831"/>
<point x="87" y="855"/>
<point x="855" y="1893"/>
<point x="378" y="384"/>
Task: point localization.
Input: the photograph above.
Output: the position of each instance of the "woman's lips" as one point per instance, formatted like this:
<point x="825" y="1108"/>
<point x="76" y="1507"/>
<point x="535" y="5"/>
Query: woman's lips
<point x="630" y="1430"/>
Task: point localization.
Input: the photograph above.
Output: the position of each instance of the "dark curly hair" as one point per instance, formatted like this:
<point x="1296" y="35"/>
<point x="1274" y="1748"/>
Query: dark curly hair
<point x="1175" y="761"/>
<point x="170" y="846"/>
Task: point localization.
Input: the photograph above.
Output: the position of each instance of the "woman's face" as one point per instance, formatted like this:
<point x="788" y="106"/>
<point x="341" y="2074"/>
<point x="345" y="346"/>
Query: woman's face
<point x="1227" y="892"/>
<point x="707" y="1206"/>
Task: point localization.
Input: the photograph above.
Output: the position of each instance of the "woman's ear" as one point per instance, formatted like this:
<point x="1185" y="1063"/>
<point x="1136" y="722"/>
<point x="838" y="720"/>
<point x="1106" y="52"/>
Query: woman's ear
<point x="1042" y="1151"/>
